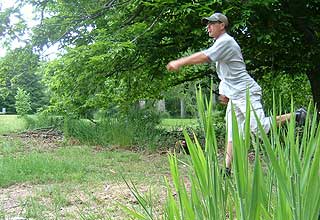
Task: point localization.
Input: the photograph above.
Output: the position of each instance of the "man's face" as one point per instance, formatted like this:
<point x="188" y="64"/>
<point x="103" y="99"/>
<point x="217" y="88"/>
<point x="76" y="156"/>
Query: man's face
<point x="215" y="29"/>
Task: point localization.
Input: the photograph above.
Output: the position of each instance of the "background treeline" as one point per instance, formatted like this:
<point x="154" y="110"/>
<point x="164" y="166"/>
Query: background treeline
<point x="113" y="53"/>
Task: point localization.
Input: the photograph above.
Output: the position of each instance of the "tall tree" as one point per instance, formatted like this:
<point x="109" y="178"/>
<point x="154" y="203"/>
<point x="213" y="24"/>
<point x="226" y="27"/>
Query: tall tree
<point x="281" y="37"/>
<point x="122" y="57"/>
<point x="115" y="51"/>
<point x="18" y="69"/>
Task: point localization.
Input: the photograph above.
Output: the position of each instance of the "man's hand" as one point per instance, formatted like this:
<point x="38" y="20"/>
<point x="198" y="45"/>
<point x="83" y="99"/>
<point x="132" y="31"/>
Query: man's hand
<point x="223" y="99"/>
<point x="196" y="58"/>
<point x="173" y="65"/>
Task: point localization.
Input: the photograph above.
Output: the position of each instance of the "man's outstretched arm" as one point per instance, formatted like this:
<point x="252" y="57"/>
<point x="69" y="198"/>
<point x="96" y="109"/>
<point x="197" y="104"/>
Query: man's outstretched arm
<point x="196" y="58"/>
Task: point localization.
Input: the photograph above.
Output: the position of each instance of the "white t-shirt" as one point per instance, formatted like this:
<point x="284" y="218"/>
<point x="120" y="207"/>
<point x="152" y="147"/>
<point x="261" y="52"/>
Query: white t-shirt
<point x="231" y="68"/>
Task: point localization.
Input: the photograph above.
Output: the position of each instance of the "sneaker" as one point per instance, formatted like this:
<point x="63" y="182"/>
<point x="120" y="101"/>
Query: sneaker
<point x="185" y="147"/>
<point x="227" y="172"/>
<point x="301" y="115"/>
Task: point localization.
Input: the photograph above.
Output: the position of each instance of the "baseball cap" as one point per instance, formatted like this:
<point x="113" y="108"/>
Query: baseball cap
<point x="216" y="17"/>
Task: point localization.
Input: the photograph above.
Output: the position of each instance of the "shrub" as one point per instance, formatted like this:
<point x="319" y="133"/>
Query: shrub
<point x="136" y="127"/>
<point x="284" y="87"/>
<point x="23" y="102"/>
<point x="42" y="120"/>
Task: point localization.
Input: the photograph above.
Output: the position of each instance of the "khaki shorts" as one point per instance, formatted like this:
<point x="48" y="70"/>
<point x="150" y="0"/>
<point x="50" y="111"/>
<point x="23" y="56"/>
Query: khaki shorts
<point x="239" y="106"/>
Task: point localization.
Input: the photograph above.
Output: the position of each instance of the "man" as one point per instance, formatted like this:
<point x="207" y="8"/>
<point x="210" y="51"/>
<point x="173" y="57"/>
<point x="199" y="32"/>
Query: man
<point x="235" y="80"/>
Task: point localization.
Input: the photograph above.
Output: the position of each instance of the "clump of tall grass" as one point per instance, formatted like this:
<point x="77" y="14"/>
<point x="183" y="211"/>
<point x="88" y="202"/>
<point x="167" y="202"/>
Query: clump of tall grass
<point x="282" y="183"/>
<point x="42" y="120"/>
<point x="135" y="128"/>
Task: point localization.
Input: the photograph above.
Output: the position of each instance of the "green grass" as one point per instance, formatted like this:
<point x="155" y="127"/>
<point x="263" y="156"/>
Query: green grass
<point x="282" y="183"/>
<point x="179" y="122"/>
<point x="11" y="123"/>
<point x="75" y="182"/>
<point x="77" y="164"/>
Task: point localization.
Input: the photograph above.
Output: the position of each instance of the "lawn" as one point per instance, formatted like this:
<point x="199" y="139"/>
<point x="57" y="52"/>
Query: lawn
<point x="11" y="123"/>
<point x="52" y="178"/>
<point x="179" y="122"/>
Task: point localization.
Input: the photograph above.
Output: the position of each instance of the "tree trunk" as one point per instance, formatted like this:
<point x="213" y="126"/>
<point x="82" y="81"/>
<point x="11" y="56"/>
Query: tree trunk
<point x="142" y="104"/>
<point x="182" y="108"/>
<point x="161" y="105"/>
<point x="314" y="80"/>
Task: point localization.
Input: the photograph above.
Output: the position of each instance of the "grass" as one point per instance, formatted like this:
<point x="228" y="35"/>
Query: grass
<point x="11" y="123"/>
<point x="179" y="122"/>
<point x="74" y="182"/>
<point x="287" y="187"/>
<point x="77" y="164"/>
<point x="174" y="123"/>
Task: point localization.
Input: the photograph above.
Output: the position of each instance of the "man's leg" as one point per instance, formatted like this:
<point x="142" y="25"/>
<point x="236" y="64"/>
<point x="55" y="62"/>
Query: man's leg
<point x="300" y="116"/>
<point x="229" y="155"/>
<point x="281" y="119"/>
<point x="265" y="121"/>
<point x="229" y="150"/>
<point x="240" y="120"/>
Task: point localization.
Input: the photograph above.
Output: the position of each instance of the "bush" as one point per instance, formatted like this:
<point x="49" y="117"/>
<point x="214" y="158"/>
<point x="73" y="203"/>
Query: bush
<point x="23" y="102"/>
<point x="136" y="127"/>
<point x="42" y="120"/>
<point x="284" y="87"/>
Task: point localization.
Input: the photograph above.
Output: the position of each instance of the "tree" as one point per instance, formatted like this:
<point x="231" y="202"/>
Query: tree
<point x="124" y="63"/>
<point x="23" y="102"/>
<point x="280" y="37"/>
<point x="18" y="69"/>
<point x="116" y="51"/>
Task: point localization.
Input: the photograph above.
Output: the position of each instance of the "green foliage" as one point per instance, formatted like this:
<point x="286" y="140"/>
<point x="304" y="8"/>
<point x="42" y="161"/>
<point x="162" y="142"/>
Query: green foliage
<point x="18" y="69"/>
<point x="116" y="52"/>
<point x="134" y="128"/>
<point x="119" y="50"/>
<point x="23" y="102"/>
<point x="284" y="87"/>
<point x="78" y="89"/>
<point x="282" y="182"/>
<point x="11" y="30"/>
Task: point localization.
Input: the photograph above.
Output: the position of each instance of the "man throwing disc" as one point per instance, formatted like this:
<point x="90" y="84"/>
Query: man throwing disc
<point x="235" y="80"/>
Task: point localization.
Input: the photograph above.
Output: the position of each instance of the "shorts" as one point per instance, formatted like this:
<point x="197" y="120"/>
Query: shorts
<point x="239" y="106"/>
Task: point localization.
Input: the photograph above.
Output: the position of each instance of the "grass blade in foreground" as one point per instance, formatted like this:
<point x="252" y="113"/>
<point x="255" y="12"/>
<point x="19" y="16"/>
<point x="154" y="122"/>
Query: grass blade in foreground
<point x="282" y="184"/>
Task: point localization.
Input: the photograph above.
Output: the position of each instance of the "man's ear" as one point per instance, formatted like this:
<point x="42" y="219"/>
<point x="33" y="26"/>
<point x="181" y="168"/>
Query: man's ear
<point x="223" y="25"/>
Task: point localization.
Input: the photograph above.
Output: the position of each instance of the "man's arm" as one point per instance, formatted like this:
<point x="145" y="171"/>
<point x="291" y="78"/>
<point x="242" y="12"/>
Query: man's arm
<point x="196" y="58"/>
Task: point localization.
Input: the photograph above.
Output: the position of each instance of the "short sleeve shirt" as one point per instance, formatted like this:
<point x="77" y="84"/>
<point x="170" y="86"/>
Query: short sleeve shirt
<point x="231" y="69"/>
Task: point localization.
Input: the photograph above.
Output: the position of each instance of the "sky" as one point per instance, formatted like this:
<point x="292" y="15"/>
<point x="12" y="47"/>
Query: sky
<point x="27" y="13"/>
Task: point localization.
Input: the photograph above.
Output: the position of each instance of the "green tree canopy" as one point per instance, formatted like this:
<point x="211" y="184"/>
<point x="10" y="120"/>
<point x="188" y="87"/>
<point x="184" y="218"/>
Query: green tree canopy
<point x="18" y="69"/>
<point x="115" y="51"/>
<point x="23" y="102"/>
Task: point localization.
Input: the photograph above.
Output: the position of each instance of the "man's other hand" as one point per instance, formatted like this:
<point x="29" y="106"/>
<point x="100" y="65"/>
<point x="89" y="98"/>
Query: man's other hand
<point x="223" y="99"/>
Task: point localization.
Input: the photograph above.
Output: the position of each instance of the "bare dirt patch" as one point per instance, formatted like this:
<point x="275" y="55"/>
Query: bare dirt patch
<point x="99" y="202"/>
<point x="40" y="139"/>
<point x="11" y="198"/>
